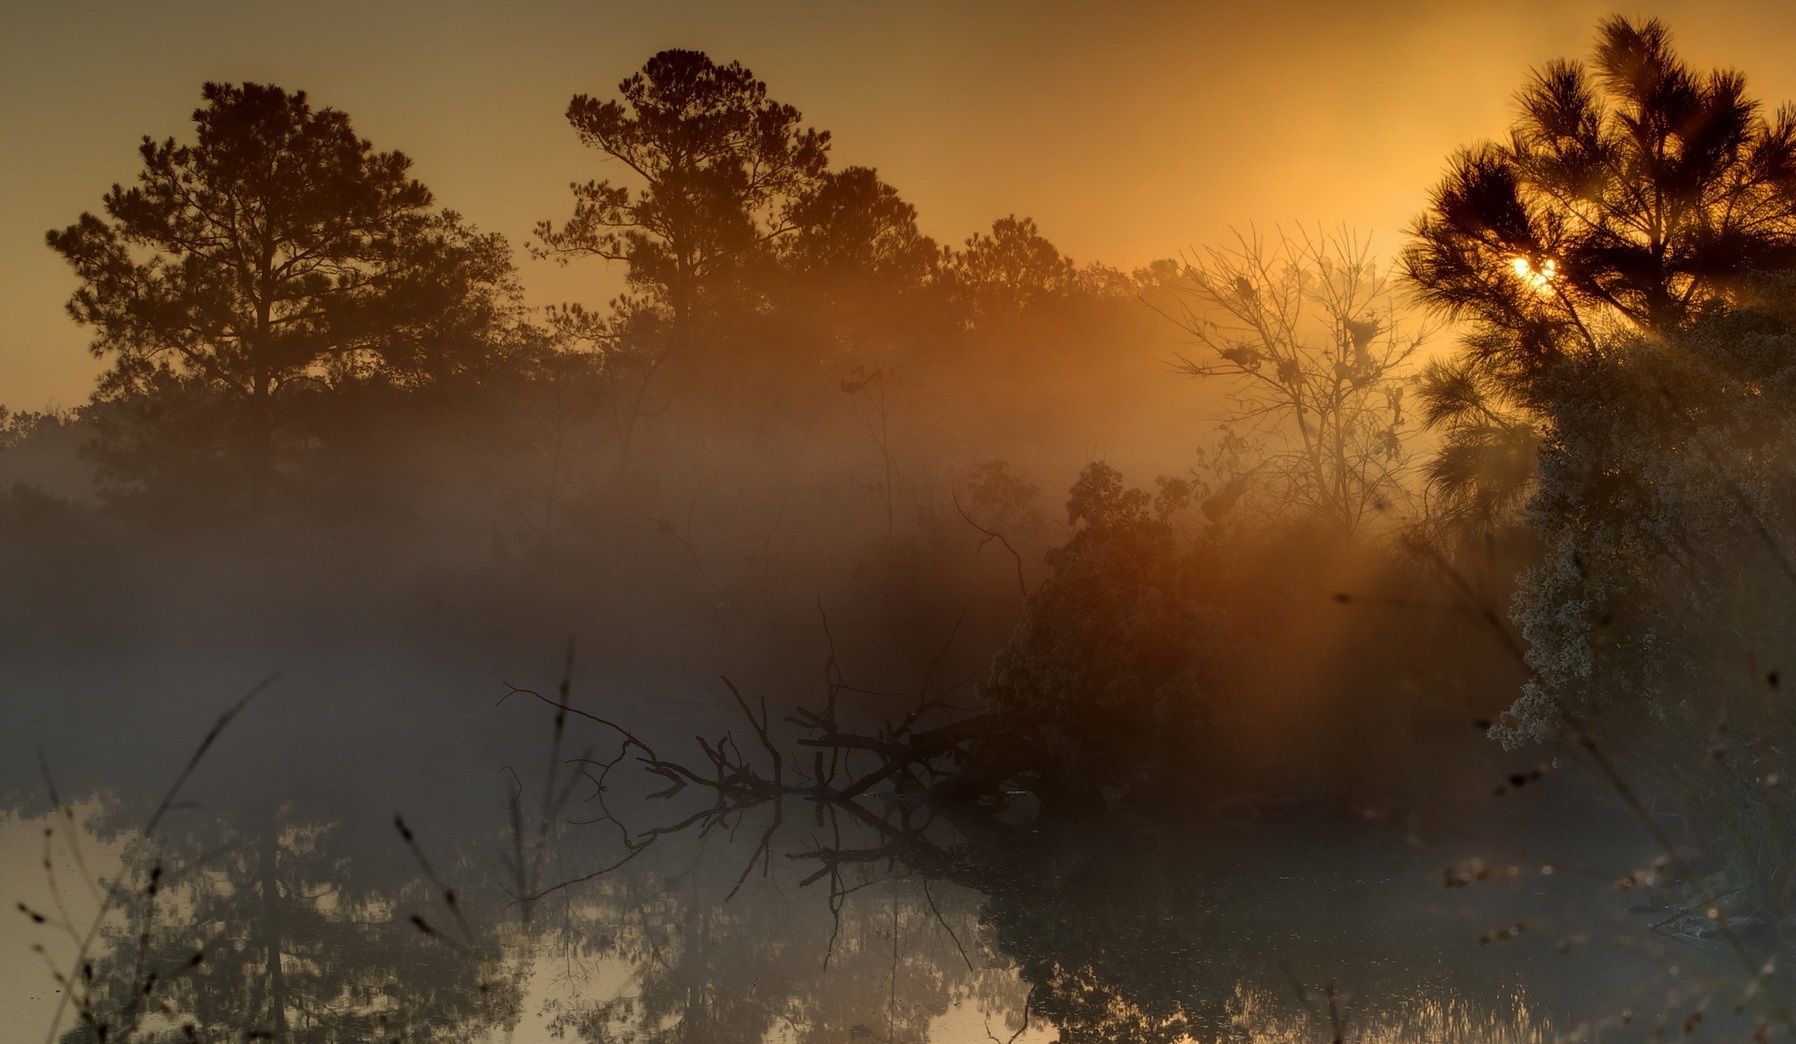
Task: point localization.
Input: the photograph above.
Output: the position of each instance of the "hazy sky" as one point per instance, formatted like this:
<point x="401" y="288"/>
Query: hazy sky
<point x="1128" y="130"/>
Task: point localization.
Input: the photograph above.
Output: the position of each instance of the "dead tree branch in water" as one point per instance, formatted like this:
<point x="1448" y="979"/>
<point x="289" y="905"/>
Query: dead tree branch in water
<point x="848" y="763"/>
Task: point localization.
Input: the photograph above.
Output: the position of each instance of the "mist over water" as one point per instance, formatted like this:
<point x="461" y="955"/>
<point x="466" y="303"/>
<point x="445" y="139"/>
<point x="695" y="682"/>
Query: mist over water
<point x="840" y="634"/>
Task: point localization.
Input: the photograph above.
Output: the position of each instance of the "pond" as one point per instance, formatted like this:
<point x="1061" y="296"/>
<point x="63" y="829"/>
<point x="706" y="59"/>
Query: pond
<point x="541" y="882"/>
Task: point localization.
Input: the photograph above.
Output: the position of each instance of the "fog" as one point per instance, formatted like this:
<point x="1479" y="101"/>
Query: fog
<point x="742" y="596"/>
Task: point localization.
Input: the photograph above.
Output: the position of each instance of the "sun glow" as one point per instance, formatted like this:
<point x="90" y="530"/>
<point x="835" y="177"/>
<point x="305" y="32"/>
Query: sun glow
<point x="1538" y="277"/>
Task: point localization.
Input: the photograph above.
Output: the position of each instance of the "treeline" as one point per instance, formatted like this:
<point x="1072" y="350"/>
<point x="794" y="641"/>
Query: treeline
<point x="275" y="293"/>
<point x="803" y="418"/>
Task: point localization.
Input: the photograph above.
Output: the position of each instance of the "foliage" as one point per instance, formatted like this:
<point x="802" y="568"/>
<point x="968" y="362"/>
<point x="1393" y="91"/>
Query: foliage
<point x="451" y="310"/>
<point x="1011" y="271"/>
<point x="1001" y="499"/>
<point x="852" y="225"/>
<point x="1663" y="478"/>
<point x="1657" y="618"/>
<point x="278" y="251"/>
<point x="1116" y="656"/>
<point x="1483" y="467"/>
<point x="1120" y="945"/>
<point x="1628" y="195"/>
<point x="21" y="426"/>
<point x="855" y="279"/>
<point x="717" y="164"/>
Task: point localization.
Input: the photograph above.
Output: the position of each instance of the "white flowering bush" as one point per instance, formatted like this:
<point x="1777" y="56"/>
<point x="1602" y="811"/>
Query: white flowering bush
<point x="1662" y="617"/>
<point x="1667" y="493"/>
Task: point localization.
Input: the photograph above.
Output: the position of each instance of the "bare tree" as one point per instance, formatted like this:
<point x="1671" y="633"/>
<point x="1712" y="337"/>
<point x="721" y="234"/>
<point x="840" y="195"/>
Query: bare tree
<point x="1308" y="327"/>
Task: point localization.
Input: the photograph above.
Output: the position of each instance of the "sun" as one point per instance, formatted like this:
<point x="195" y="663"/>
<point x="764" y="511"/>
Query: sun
<point x="1540" y="277"/>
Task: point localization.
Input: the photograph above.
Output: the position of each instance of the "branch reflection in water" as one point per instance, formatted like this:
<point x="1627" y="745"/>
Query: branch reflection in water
<point x="625" y="894"/>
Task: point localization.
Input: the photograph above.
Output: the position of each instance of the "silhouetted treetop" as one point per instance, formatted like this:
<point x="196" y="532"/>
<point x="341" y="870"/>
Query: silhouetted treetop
<point x="255" y="234"/>
<point x="852" y="224"/>
<point x="1012" y="269"/>
<point x="278" y="242"/>
<point x="278" y="249"/>
<point x="451" y="307"/>
<point x="714" y="159"/>
<point x="1630" y="192"/>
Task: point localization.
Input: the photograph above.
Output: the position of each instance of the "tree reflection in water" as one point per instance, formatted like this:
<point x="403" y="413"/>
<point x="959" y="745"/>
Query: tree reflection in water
<point x="751" y="912"/>
<point x="264" y="927"/>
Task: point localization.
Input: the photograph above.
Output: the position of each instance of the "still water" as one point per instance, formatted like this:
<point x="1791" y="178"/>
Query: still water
<point x="552" y="882"/>
<point x="543" y="888"/>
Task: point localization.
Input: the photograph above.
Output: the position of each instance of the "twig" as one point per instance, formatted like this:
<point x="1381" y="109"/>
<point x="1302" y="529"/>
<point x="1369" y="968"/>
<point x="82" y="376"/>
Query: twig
<point x="939" y="919"/>
<point x="430" y="874"/>
<point x="991" y="535"/>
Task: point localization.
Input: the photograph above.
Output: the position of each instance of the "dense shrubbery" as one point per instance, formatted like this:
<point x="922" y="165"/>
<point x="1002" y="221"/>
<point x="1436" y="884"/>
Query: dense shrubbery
<point x="1118" y="656"/>
<point x="1657" y="621"/>
<point x="1665" y="496"/>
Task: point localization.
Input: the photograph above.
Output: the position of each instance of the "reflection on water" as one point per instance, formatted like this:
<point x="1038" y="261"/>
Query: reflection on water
<point x="265" y="925"/>
<point x="542" y="916"/>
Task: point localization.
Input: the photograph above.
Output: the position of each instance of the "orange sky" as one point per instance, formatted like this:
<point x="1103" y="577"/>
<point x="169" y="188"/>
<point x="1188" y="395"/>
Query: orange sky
<point x="1128" y="130"/>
